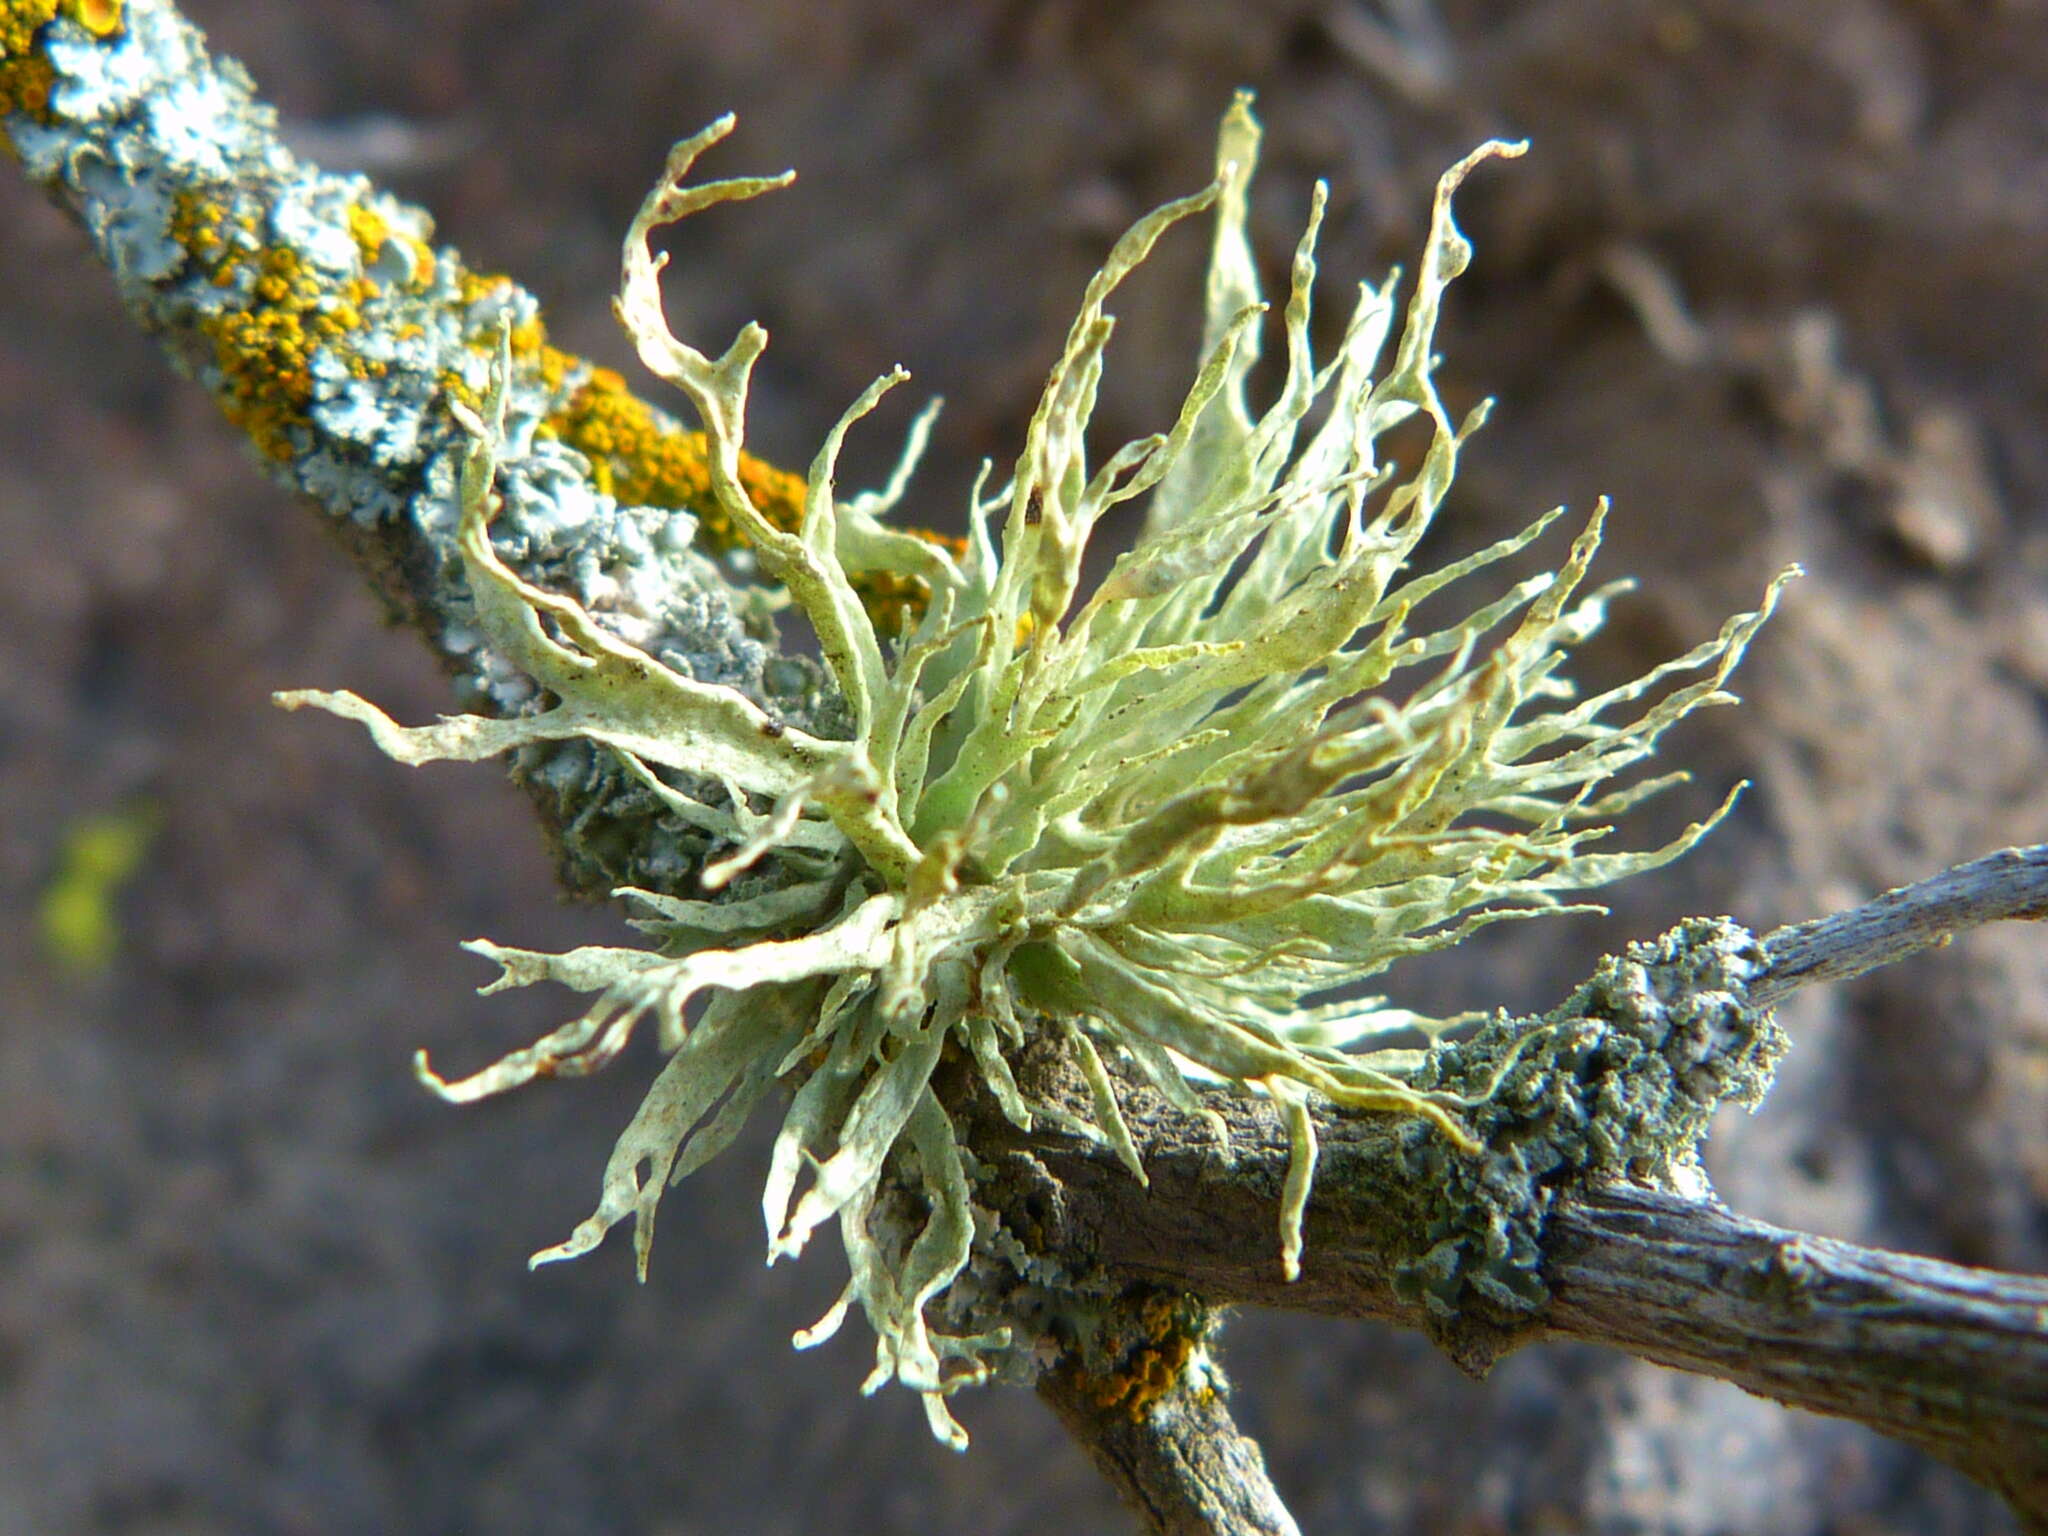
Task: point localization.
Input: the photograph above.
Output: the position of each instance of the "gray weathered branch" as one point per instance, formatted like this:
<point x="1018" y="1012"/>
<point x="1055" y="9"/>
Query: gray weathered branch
<point x="1952" y="1359"/>
<point x="2011" y="883"/>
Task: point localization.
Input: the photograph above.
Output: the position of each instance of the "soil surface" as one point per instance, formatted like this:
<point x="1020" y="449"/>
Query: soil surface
<point x="1774" y="276"/>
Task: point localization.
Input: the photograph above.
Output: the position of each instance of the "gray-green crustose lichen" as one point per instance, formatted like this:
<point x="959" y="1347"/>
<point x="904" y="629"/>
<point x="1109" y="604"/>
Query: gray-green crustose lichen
<point x="1619" y="1081"/>
<point x="1169" y="821"/>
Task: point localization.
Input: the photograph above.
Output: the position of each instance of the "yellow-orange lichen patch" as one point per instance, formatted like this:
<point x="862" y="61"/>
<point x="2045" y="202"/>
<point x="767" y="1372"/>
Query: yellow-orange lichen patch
<point x="555" y="366"/>
<point x="527" y="339"/>
<point x="1169" y="1328"/>
<point x="369" y="231"/>
<point x="25" y="75"/>
<point x="102" y="18"/>
<point x="26" y="78"/>
<point x="635" y="458"/>
<point x="469" y="288"/>
<point x="894" y="601"/>
<point x="264" y="347"/>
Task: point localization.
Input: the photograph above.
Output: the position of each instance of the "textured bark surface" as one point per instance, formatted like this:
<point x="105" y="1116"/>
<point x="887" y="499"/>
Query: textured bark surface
<point x="1181" y="1465"/>
<point x="1945" y="1357"/>
<point x="1773" y="276"/>
<point x="1950" y="1358"/>
<point x="1927" y="914"/>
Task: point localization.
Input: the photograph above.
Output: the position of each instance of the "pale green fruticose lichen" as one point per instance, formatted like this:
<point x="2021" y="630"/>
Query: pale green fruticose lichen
<point x="1167" y="818"/>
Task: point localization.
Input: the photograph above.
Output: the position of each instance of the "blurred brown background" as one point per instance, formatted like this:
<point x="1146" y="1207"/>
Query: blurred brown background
<point x="1775" y="276"/>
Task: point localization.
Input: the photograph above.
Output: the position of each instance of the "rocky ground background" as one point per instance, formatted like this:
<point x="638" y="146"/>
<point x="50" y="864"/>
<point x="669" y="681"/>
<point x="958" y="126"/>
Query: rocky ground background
<point x="1774" y="276"/>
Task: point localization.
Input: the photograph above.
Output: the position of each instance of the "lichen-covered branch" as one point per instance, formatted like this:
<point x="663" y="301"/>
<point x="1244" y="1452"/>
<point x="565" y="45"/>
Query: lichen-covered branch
<point x="1168" y="823"/>
<point x="333" y="333"/>
<point x="1947" y="1357"/>
<point x="1618" y="1082"/>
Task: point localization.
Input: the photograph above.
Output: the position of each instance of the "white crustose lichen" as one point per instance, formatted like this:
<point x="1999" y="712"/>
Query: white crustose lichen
<point x="1166" y="819"/>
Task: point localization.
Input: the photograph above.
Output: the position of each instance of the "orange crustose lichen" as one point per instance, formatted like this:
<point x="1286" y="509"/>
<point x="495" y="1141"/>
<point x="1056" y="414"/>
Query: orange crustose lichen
<point x="25" y="74"/>
<point x="264" y="347"/>
<point x="102" y="18"/>
<point x="1154" y="1364"/>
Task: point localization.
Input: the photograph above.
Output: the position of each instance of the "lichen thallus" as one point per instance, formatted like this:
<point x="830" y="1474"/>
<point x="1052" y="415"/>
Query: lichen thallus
<point x="1165" y="820"/>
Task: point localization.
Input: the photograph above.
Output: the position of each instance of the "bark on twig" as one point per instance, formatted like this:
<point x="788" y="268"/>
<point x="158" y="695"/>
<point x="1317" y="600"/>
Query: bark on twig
<point x="1949" y="1358"/>
<point x="1181" y="1463"/>
<point x="332" y="333"/>
<point x="2011" y="883"/>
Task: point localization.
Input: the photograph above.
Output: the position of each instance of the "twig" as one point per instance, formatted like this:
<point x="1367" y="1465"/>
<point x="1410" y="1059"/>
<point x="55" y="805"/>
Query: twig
<point x="2011" y="883"/>
<point x="333" y="334"/>
<point x="1952" y="1359"/>
<point x="1180" y="1463"/>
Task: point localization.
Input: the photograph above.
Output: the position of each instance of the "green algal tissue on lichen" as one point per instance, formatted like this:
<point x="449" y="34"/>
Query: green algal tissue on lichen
<point x="1259" y="762"/>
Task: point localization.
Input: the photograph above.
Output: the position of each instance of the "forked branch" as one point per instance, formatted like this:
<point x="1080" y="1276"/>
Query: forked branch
<point x="1946" y="1357"/>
